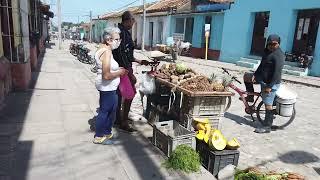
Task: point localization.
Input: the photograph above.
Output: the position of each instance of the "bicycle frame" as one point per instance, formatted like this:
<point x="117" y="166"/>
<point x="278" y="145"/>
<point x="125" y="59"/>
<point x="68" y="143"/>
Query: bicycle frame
<point x="243" y="94"/>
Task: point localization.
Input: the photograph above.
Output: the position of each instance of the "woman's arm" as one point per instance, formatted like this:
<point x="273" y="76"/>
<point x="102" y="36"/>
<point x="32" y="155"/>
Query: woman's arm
<point x="106" y="67"/>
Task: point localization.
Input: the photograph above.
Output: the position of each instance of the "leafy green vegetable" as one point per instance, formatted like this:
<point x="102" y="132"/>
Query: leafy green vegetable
<point x="184" y="158"/>
<point x="247" y="175"/>
<point x="181" y="68"/>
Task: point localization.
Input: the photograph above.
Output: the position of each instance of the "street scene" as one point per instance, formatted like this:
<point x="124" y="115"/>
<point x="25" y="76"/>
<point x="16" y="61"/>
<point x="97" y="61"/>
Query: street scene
<point x="159" y="89"/>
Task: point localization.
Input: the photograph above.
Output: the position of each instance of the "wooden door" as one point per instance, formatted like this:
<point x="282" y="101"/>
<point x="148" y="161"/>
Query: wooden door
<point x="260" y="30"/>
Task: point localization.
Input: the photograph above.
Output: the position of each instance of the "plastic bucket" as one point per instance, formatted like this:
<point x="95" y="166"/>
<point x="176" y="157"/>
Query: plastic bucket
<point x="125" y="87"/>
<point x="285" y="107"/>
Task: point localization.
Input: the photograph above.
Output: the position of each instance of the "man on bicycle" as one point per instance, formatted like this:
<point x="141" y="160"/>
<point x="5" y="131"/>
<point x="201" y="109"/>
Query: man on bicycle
<point x="268" y="75"/>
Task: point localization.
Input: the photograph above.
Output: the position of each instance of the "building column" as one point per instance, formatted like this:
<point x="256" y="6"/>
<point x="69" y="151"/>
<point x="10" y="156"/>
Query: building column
<point x="315" y="67"/>
<point x="197" y="31"/>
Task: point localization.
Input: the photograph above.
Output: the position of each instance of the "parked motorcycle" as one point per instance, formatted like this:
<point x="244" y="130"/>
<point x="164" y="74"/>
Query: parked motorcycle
<point x="304" y="60"/>
<point x="84" y="56"/>
<point x="72" y="49"/>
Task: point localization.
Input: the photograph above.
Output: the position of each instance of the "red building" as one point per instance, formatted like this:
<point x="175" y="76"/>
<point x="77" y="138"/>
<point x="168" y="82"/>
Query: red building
<point x="21" y="47"/>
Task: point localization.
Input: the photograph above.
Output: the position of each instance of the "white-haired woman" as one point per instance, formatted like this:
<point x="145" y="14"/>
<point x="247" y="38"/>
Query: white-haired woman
<point x="107" y="82"/>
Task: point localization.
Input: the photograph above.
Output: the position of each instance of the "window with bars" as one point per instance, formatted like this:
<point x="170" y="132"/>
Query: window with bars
<point x="1" y="43"/>
<point x="11" y="32"/>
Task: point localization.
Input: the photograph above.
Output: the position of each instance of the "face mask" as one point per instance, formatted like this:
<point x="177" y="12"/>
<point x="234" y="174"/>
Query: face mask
<point x="115" y="45"/>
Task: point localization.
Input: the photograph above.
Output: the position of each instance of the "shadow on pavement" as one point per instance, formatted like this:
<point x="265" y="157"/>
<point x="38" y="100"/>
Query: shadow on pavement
<point x="241" y="120"/>
<point x="298" y="157"/>
<point x="141" y="155"/>
<point x="14" y="154"/>
<point x="317" y="170"/>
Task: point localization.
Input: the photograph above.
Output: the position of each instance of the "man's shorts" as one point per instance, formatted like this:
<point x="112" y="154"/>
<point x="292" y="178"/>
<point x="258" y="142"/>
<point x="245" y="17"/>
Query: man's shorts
<point x="268" y="98"/>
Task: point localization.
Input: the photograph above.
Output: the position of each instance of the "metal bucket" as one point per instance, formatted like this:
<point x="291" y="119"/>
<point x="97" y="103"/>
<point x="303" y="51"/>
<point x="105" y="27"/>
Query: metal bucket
<point x="285" y="107"/>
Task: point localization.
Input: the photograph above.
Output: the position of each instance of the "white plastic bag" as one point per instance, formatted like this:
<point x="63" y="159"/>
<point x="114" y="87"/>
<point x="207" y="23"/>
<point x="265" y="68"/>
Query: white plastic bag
<point x="147" y="85"/>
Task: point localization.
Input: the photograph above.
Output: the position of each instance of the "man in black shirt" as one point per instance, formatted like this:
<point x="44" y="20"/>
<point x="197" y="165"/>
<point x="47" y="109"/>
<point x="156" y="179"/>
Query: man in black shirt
<point x="124" y="56"/>
<point x="268" y="75"/>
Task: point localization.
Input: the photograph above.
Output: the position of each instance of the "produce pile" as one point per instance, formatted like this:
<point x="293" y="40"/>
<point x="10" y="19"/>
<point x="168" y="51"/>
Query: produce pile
<point x="256" y="174"/>
<point x="186" y="78"/>
<point x="184" y="158"/>
<point x="213" y="137"/>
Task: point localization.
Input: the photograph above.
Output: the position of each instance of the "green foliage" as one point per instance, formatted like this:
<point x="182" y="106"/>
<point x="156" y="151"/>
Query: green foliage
<point x="184" y="158"/>
<point x="247" y="175"/>
<point x="243" y="175"/>
<point x="181" y="68"/>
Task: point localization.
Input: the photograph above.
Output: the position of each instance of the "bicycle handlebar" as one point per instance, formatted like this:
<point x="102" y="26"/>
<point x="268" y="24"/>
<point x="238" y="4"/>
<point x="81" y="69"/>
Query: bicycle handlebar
<point x="232" y="77"/>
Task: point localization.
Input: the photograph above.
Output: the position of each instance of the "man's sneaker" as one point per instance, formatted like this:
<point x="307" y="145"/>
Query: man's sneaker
<point x="262" y="130"/>
<point x="127" y="129"/>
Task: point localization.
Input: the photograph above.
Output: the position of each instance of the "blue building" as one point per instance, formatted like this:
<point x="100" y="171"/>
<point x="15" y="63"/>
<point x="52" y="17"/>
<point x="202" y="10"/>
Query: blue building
<point x="239" y="29"/>
<point x="189" y="23"/>
<point x="247" y="24"/>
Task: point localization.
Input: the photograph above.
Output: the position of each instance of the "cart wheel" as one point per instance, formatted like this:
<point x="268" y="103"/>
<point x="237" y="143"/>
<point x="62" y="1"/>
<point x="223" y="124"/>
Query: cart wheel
<point x="279" y="122"/>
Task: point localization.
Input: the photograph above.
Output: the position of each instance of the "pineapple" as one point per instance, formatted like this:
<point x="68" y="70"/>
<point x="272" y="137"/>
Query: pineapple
<point x="217" y="82"/>
<point x="217" y="86"/>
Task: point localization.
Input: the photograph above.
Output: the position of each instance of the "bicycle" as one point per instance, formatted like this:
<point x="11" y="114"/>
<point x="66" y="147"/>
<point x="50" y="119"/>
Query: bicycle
<point x="259" y="110"/>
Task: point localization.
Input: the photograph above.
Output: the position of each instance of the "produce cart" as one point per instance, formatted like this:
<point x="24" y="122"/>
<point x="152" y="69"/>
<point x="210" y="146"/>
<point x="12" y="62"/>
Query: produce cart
<point x="187" y="105"/>
<point x="193" y="105"/>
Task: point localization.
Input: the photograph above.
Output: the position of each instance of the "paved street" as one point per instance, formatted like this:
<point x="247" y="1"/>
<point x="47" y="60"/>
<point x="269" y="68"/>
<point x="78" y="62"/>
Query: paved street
<point x="45" y="132"/>
<point x="54" y="138"/>
<point x="295" y="148"/>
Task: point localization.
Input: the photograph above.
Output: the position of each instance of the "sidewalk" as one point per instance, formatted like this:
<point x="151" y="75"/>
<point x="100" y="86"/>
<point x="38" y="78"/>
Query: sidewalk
<point x="45" y="132"/>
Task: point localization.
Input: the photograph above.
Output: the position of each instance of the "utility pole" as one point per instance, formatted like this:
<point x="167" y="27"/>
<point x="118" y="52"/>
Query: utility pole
<point x="59" y="24"/>
<point x="90" y="26"/>
<point x="144" y="24"/>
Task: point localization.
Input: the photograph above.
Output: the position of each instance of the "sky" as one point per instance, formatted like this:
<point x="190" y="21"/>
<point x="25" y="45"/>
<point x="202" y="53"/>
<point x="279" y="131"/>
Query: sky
<point x="79" y="10"/>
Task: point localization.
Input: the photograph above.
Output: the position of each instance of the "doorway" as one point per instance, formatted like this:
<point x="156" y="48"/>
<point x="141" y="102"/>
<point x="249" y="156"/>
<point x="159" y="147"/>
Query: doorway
<point x="306" y="31"/>
<point x="260" y="31"/>
<point x="160" y="32"/>
<point x="151" y="34"/>
<point x="189" y="30"/>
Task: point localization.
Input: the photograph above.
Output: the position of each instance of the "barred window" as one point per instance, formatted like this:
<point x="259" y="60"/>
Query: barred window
<point x="12" y="35"/>
<point x="1" y="44"/>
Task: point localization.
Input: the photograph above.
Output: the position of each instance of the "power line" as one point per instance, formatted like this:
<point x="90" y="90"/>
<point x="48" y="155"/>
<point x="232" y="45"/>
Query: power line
<point x="122" y="7"/>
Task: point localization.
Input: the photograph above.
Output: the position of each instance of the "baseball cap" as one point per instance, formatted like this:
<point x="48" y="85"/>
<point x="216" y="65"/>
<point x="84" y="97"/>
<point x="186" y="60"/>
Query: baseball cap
<point x="273" y="37"/>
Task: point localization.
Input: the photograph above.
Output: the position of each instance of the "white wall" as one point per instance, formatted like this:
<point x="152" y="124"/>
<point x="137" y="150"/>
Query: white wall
<point x="139" y="25"/>
<point x="156" y="21"/>
<point x="113" y="21"/>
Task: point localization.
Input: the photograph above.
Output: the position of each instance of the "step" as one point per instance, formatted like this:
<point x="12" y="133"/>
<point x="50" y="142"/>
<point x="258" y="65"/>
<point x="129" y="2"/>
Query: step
<point x="247" y="64"/>
<point x="254" y="61"/>
<point x="293" y="68"/>
<point x="254" y="57"/>
<point x="295" y="73"/>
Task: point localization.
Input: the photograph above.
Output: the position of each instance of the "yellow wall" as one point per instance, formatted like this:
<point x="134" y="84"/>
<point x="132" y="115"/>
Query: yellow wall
<point x="1" y="45"/>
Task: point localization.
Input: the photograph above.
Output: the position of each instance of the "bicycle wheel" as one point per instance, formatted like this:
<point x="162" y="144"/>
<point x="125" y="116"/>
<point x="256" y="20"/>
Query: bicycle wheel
<point x="228" y="101"/>
<point x="279" y="122"/>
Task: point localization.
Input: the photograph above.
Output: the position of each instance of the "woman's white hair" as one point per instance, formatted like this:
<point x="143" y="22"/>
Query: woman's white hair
<point x="107" y="32"/>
